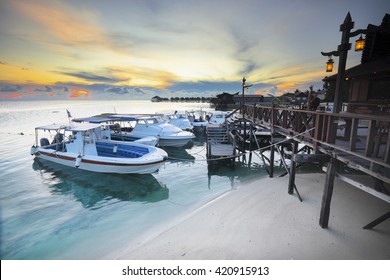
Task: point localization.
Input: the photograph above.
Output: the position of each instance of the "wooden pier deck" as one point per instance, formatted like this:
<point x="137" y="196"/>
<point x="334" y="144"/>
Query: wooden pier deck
<point x="357" y="141"/>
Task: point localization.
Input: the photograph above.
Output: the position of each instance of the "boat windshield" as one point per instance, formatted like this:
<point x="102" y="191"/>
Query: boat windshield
<point x="147" y="121"/>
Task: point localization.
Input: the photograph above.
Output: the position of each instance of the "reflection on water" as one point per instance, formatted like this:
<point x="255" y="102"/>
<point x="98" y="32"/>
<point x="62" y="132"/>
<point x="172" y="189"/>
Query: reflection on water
<point x="179" y="154"/>
<point x="244" y="169"/>
<point x="94" y="190"/>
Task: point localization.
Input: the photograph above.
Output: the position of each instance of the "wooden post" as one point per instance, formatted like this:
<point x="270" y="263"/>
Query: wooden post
<point x="343" y="49"/>
<point x="291" y="180"/>
<point x="272" y="160"/>
<point x="328" y="191"/>
<point x="342" y="53"/>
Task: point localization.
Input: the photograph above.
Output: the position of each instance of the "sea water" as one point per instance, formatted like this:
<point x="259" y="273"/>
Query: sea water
<point x="49" y="211"/>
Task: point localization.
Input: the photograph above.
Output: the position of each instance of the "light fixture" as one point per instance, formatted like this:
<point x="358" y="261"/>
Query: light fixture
<point x="359" y="46"/>
<point x="329" y="65"/>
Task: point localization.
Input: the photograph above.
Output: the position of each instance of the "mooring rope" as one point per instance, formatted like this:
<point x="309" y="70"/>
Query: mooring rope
<point x="241" y="154"/>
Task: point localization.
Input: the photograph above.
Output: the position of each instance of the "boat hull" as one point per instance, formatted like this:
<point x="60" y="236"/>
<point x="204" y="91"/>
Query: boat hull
<point x="165" y="141"/>
<point x="101" y="165"/>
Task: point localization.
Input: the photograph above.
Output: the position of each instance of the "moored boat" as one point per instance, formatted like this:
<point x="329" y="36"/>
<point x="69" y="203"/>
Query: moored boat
<point x="198" y="120"/>
<point x="89" y="146"/>
<point x="180" y="120"/>
<point x="218" y="117"/>
<point x="139" y="127"/>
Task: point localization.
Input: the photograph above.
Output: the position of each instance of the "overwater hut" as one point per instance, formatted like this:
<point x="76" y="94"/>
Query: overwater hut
<point x="223" y="100"/>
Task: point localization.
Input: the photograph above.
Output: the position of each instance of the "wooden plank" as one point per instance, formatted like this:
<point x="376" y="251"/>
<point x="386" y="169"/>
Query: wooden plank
<point x="224" y="150"/>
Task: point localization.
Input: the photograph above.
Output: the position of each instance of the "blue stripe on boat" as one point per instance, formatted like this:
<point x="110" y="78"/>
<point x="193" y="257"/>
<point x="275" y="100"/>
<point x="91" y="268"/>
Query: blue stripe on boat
<point x="123" y="151"/>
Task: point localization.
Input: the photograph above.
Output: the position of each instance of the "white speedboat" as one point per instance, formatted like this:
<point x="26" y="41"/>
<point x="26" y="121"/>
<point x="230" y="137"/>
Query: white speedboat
<point x="198" y="120"/>
<point x="218" y="118"/>
<point x="88" y="146"/>
<point x="145" y="126"/>
<point x="119" y="132"/>
<point x="180" y="120"/>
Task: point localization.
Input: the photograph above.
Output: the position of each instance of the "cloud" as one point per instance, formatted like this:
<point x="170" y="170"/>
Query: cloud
<point x="10" y="88"/>
<point x="11" y="95"/>
<point x="66" y="24"/>
<point x="90" y="77"/>
<point x="78" y="92"/>
<point x="118" y="90"/>
<point x="45" y="89"/>
<point x="206" y="86"/>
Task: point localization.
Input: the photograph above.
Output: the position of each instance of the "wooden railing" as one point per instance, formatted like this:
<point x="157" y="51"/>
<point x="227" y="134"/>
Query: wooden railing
<point x="366" y="137"/>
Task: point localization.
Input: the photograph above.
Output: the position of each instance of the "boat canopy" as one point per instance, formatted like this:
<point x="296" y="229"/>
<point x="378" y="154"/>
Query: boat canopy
<point x="70" y="127"/>
<point x="123" y="117"/>
<point x="93" y="119"/>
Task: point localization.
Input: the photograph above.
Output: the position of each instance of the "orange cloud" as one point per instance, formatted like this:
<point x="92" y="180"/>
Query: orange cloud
<point x="78" y="92"/>
<point x="66" y="24"/>
<point x="11" y="95"/>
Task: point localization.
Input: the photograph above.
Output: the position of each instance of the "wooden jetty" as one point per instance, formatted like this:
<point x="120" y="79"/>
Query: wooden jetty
<point x="221" y="144"/>
<point x="357" y="141"/>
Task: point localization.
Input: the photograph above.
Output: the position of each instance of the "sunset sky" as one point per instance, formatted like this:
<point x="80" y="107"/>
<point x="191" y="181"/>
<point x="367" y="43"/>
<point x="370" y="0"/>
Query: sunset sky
<point x="120" y="49"/>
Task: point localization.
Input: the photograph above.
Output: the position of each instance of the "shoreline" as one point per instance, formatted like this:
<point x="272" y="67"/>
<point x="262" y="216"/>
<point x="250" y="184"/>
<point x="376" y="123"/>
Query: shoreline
<point x="259" y="220"/>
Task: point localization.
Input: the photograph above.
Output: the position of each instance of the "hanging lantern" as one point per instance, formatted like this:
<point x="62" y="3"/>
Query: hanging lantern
<point x="329" y="65"/>
<point x="359" y="46"/>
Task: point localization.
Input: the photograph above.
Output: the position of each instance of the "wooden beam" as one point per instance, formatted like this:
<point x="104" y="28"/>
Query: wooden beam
<point x="378" y="221"/>
<point x="312" y="158"/>
<point x="370" y="138"/>
<point x="328" y="191"/>
<point x="353" y="137"/>
<point x="364" y="188"/>
<point x="387" y="149"/>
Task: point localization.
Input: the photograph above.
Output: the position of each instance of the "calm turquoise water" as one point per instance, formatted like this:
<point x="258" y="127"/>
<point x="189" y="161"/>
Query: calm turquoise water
<point x="52" y="212"/>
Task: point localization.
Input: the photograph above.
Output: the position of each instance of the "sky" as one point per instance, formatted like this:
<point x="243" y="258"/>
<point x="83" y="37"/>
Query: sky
<point x="136" y="49"/>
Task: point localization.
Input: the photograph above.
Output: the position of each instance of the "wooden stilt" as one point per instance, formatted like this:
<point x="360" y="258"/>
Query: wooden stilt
<point x="328" y="191"/>
<point x="272" y="161"/>
<point x="291" y="181"/>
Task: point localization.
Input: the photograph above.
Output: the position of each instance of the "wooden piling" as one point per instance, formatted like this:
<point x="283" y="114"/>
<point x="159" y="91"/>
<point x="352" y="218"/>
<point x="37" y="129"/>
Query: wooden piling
<point x="291" y="181"/>
<point x="328" y="191"/>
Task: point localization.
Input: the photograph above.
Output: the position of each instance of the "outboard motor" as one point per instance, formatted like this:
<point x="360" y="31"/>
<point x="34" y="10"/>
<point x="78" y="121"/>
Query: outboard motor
<point x="44" y="142"/>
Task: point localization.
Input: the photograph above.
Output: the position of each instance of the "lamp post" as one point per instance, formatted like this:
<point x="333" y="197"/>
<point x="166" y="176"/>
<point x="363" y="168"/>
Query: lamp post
<point x="342" y="53"/>
<point x="244" y="86"/>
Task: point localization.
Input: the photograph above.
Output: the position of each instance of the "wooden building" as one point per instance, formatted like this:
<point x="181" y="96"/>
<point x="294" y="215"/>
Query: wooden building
<point x="367" y="85"/>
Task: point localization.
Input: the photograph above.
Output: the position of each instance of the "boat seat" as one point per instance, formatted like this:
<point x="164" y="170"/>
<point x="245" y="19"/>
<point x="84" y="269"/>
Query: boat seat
<point x="58" y="138"/>
<point x="106" y="149"/>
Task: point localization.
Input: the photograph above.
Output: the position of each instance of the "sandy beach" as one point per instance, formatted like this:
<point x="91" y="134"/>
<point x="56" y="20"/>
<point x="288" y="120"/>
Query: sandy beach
<point x="260" y="220"/>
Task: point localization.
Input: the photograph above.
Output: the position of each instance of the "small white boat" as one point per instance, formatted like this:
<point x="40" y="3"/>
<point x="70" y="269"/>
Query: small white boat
<point x="88" y="146"/>
<point x="118" y="132"/>
<point x="198" y="120"/>
<point x="218" y="118"/>
<point x="180" y="120"/>
<point x="145" y="126"/>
